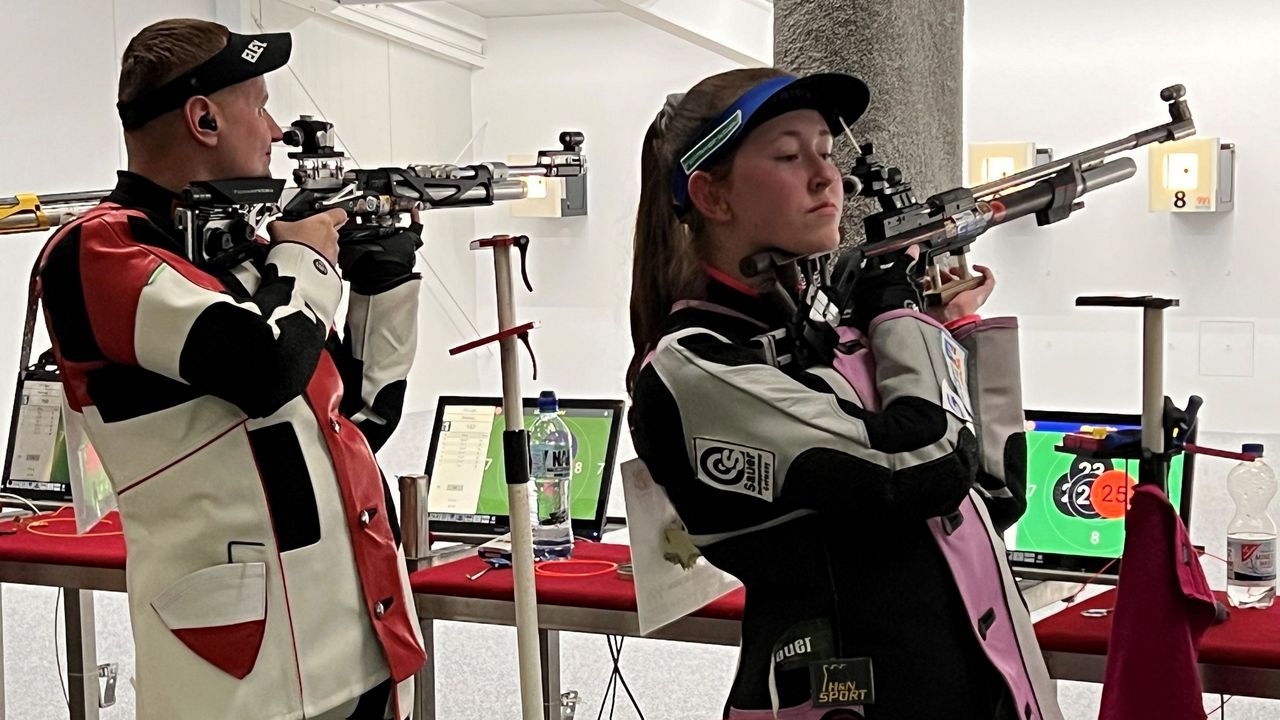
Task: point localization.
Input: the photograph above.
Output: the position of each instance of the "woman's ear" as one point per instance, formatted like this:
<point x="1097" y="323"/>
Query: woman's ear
<point x="708" y="196"/>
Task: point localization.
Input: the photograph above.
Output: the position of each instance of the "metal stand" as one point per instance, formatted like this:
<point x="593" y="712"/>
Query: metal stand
<point x="515" y="450"/>
<point x="415" y="540"/>
<point x="82" y="654"/>
<point x="1153" y="465"/>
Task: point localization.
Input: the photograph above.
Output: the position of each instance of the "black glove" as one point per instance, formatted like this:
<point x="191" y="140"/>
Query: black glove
<point x="885" y="284"/>
<point x="376" y="258"/>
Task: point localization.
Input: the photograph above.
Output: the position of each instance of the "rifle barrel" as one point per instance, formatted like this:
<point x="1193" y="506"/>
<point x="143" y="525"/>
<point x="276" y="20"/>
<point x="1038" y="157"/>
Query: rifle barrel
<point x="1089" y="158"/>
<point x="998" y="211"/>
<point x="502" y="190"/>
<point x="1039" y="196"/>
<point x="30" y="213"/>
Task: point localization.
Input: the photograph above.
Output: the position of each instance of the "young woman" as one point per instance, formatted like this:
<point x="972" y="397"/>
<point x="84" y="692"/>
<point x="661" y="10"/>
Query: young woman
<point x="860" y="504"/>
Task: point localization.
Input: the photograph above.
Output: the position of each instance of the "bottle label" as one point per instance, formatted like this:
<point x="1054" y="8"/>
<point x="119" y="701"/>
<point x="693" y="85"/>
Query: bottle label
<point x="545" y="461"/>
<point x="1251" y="562"/>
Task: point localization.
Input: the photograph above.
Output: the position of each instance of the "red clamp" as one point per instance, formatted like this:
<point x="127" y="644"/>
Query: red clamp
<point x="520" y="331"/>
<point x="519" y="242"/>
<point x="1215" y="452"/>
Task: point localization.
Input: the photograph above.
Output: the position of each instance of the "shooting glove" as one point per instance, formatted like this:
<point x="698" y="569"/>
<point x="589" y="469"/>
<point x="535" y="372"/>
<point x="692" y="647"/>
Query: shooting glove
<point x="885" y="284"/>
<point x="376" y="258"/>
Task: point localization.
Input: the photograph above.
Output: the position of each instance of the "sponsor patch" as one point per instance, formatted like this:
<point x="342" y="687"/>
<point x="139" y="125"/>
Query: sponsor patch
<point x="733" y="467"/>
<point x="804" y="643"/>
<point x="712" y="142"/>
<point x="254" y="50"/>
<point x="955" y="392"/>
<point x="842" y="682"/>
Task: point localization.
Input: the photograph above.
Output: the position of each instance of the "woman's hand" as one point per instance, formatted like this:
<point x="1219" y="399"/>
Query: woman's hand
<point x="966" y="302"/>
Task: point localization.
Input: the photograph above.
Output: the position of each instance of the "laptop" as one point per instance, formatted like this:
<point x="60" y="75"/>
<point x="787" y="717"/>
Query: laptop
<point x="1073" y="528"/>
<point x="468" y="497"/>
<point x="35" y="466"/>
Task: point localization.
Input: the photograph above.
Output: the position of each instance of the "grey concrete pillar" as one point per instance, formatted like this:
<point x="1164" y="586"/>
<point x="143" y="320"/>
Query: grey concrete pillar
<point x="910" y="53"/>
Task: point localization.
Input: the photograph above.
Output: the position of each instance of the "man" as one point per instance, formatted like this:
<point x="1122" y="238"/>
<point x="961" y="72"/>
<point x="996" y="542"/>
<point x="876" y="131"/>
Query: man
<point x="265" y="577"/>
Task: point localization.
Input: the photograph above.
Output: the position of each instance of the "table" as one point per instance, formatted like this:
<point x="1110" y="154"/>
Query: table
<point x="79" y="565"/>
<point x="1238" y="657"/>
<point x="1241" y="657"/>
<point x="604" y="604"/>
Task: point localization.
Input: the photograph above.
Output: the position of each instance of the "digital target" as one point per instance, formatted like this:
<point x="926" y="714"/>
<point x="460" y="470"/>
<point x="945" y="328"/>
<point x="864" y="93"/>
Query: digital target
<point x="1073" y="490"/>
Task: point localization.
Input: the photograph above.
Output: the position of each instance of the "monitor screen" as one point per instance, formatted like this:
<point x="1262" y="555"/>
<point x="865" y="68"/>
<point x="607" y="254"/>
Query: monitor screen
<point x="36" y="466"/>
<point x="468" y="482"/>
<point x="1074" y="521"/>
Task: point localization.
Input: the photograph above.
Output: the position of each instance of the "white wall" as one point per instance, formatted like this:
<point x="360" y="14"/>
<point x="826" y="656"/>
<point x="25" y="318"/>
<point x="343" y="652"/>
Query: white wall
<point x="606" y="75"/>
<point x="390" y="104"/>
<point x="1072" y="76"/>
<point x="1076" y="75"/>
<point x="59" y="133"/>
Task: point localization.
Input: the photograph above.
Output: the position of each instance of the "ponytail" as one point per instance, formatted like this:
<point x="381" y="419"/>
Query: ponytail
<point x="667" y="251"/>
<point x="665" y="266"/>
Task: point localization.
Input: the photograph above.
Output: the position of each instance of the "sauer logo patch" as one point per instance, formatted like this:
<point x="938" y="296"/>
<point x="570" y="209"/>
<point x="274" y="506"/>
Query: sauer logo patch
<point x="734" y="467"/>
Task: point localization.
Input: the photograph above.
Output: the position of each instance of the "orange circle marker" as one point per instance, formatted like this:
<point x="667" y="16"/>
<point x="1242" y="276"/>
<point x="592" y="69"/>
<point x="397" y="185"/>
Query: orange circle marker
<point x="1110" y="493"/>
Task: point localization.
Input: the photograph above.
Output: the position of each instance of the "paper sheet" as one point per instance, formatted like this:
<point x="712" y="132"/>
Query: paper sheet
<point x="665" y="591"/>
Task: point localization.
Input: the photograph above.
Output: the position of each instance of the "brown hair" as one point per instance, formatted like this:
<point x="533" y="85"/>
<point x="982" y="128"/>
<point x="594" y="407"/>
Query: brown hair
<point x="162" y="51"/>
<point x="666" y="264"/>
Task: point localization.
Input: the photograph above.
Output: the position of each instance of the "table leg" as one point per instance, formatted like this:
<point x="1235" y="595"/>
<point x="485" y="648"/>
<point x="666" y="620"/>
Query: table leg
<point x="82" y="654"/>
<point x="549" y="650"/>
<point x="1" y="653"/>
<point x="424" y="684"/>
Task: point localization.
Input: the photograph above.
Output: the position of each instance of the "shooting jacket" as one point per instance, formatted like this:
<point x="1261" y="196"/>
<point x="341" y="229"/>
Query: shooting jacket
<point x="264" y="572"/>
<point x="860" y="505"/>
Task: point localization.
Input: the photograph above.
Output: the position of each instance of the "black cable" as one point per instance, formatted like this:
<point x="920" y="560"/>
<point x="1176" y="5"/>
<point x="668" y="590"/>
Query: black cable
<point x="626" y="688"/>
<point x="608" y="686"/>
<point x="615" y="680"/>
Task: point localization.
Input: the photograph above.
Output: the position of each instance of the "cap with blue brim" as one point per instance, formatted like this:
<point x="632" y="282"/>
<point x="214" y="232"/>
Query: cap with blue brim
<point x="836" y="96"/>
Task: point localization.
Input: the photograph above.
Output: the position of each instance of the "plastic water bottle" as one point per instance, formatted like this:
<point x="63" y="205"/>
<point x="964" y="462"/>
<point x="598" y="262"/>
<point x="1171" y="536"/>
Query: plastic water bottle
<point x="1251" y="536"/>
<point x="551" y="465"/>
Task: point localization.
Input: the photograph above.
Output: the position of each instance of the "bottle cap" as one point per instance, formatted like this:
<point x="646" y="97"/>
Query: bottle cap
<point x="547" y="402"/>
<point x="1252" y="449"/>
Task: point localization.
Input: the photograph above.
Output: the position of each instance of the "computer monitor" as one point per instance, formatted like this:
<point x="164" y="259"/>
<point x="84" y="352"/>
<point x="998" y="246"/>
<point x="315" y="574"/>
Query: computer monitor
<point x="468" y="497"/>
<point x="36" y="466"/>
<point x="1074" y="523"/>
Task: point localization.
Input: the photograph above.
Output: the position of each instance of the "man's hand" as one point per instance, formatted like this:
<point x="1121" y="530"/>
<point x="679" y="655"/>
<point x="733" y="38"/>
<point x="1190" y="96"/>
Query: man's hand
<point x="318" y="232"/>
<point x="377" y="258"/>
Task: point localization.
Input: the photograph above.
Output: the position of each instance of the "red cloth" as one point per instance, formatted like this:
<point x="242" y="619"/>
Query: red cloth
<point x="1163" y="606"/>
<point x="601" y="592"/>
<point x="102" y="551"/>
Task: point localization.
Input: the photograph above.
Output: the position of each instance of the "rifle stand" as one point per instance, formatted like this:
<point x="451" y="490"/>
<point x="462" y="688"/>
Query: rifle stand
<point x="515" y="451"/>
<point x="1153" y="461"/>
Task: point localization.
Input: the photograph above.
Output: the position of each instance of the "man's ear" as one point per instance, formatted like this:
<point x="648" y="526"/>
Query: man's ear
<point x="708" y="196"/>
<point x="201" y="116"/>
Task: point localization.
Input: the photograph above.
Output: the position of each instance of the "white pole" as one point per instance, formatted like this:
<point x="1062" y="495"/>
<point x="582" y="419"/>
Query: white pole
<point x="518" y="500"/>
<point x="1153" y="379"/>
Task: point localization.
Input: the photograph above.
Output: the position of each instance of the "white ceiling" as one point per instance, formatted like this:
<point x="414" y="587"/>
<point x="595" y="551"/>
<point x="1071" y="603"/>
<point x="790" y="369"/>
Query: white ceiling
<point x="519" y="8"/>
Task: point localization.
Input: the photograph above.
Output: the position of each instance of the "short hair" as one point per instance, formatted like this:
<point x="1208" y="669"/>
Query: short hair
<point x="162" y="51"/>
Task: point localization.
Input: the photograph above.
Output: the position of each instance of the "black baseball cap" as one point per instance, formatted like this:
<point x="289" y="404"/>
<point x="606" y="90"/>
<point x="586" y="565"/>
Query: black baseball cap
<point x="243" y="58"/>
